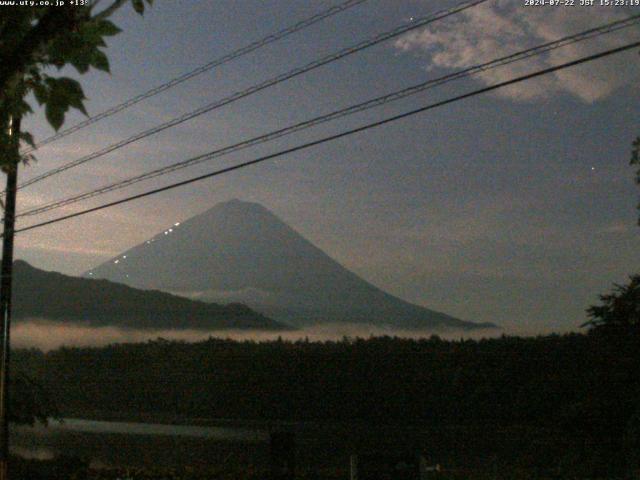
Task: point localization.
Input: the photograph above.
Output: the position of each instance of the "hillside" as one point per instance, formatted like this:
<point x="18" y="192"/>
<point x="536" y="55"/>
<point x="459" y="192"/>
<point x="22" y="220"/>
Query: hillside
<point x="54" y="296"/>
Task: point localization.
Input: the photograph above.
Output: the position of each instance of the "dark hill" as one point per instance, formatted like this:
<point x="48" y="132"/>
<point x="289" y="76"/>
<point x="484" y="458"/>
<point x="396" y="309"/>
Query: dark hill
<point x="54" y="296"/>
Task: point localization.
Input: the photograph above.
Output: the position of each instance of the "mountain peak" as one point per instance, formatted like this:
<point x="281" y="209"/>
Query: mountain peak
<point x="239" y="210"/>
<point x="240" y="251"/>
<point x="237" y="204"/>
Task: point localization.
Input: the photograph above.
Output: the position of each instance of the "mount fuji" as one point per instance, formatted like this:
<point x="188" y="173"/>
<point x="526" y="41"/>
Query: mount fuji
<point x="241" y="252"/>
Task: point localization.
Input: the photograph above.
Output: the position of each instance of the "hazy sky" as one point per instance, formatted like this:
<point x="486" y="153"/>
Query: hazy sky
<point x="516" y="208"/>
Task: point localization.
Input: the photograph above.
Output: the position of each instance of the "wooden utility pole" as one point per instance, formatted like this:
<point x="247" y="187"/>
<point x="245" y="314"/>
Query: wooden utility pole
<point x="11" y="170"/>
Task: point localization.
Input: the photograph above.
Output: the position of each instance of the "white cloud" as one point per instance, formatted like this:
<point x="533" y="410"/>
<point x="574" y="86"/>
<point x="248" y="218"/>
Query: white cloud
<point x="503" y="27"/>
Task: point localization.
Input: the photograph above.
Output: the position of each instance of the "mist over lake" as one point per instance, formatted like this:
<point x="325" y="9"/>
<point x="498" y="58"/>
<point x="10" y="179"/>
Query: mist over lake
<point x="48" y="335"/>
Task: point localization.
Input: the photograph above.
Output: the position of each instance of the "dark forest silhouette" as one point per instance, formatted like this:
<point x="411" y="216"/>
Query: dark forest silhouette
<point x="556" y="402"/>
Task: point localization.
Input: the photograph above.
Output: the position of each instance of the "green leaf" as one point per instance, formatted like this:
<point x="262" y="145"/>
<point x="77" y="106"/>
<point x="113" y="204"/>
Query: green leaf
<point x="66" y="87"/>
<point x="24" y="108"/>
<point x="40" y="92"/>
<point x="79" y="105"/>
<point x="105" y="28"/>
<point x="92" y="32"/>
<point x="63" y="93"/>
<point x="27" y="138"/>
<point x="138" y="6"/>
<point x="81" y="60"/>
<point x="81" y="65"/>
<point x="100" y="61"/>
<point x="72" y="93"/>
<point x="55" y="114"/>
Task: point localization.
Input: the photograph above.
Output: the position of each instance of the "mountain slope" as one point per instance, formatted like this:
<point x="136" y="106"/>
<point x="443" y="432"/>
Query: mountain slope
<point x="241" y="251"/>
<point x="54" y="296"/>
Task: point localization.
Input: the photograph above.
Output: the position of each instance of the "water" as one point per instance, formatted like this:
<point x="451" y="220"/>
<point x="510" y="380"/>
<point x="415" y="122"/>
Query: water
<point x="223" y="443"/>
<point x="244" y="434"/>
<point x="140" y="444"/>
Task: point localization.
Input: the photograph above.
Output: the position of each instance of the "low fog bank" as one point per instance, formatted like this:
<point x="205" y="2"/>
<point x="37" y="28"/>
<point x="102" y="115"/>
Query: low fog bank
<point x="47" y="335"/>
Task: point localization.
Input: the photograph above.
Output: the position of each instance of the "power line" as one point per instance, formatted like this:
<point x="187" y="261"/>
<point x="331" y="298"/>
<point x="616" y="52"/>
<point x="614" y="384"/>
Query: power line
<point x="285" y="32"/>
<point x="416" y="23"/>
<point x="375" y="102"/>
<point x="337" y="136"/>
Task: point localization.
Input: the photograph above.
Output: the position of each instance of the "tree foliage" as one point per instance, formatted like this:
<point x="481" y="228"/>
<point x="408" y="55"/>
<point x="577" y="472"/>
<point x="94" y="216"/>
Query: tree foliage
<point x="546" y="399"/>
<point x="619" y="311"/>
<point x="30" y="401"/>
<point x="35" y="42"/>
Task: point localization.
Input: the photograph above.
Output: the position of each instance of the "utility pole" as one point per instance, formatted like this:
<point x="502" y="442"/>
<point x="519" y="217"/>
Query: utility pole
<point x="11" y="170"/>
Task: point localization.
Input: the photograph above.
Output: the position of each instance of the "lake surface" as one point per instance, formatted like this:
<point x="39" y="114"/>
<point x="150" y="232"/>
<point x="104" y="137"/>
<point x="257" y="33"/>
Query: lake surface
<point x="132" y="444"/>
<point x="140" y="444"/>
<point x="244" y="434"/>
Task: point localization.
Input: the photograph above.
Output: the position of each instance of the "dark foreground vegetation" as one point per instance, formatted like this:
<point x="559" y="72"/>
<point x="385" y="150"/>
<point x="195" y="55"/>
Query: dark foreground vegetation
<point x="70" y="468"/>
<point x="555" y="406"/>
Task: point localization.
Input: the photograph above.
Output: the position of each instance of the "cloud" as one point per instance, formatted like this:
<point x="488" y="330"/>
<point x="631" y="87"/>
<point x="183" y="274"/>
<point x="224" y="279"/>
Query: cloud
<point x="496" y="29"/>
<point x="47" y="335"/>
<point x="67" y="249"/>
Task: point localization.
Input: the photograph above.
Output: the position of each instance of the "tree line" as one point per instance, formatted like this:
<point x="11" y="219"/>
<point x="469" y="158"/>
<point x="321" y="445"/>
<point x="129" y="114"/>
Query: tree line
<point x="579" y="390"/>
